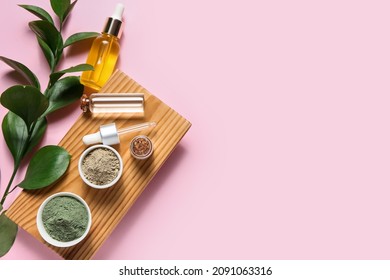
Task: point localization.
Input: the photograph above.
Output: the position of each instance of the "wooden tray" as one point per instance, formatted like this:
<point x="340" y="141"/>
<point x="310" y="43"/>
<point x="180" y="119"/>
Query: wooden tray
<point x="108" y="206"/>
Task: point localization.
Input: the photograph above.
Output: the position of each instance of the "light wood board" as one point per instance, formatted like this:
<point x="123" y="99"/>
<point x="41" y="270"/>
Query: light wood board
<point x="108" y="206"/>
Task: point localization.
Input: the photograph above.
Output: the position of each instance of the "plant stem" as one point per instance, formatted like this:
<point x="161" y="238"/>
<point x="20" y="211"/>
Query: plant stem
<point x="16" y="167"/>
<point x="6" y="194"/>
<point x="32" y="127"/>
<point x="12" y="190"/>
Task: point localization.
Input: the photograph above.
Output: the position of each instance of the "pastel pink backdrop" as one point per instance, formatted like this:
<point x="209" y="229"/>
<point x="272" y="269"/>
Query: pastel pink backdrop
<point x="289" y="153"/>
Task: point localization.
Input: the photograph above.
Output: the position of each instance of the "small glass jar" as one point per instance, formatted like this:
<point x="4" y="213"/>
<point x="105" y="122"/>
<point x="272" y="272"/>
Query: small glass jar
<point x="141" y="147"/>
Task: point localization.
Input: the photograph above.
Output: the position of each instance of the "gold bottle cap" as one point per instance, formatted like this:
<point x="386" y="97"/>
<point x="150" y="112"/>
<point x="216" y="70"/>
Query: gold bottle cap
<point x="113" y="27"/>
<point x="84" y="105"/>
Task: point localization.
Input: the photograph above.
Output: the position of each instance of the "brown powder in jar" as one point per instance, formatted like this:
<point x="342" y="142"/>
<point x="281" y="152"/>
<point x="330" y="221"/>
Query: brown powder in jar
<point x="141" y="146"/>
<point x="100" y="166"/>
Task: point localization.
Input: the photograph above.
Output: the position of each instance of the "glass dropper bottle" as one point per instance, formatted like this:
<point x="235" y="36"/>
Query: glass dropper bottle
<point x="114" y="103"/>
<point x="104" y="52"/>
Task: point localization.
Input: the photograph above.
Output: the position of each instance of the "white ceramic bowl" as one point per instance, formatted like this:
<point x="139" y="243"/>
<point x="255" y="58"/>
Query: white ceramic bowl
<point x="46" y="236"/>
<point x="113" y="182"/>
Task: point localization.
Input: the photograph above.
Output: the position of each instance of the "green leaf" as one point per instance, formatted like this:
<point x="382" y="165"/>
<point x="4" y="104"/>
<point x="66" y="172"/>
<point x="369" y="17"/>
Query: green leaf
<point x="63" y="93"/>
<point x="22" y="70"/>
<point x="79" y="37"/>
<point x="47" y="32"/>
<point x="15" y="135"/>
<point x="78" y="68"/>
<point x="47" y="166"/>
<point x="37" y="134"/>
<point x="8" y="231"/>
<point x="25" y="101"/>
<point x="48" y="53"/>
<point x="60" y="7"/>
<point x="39" y="12"/>
<point x="69" y="10"/>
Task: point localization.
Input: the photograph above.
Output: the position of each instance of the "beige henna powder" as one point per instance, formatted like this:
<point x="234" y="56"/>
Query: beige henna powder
<point x="100" y="166"/>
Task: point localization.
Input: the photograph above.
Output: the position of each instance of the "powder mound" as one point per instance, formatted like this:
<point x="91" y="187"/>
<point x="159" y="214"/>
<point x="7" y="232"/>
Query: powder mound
<point x="65" y="218"/>
<point x="141" y="147"/>
<point x="100" y="166"/>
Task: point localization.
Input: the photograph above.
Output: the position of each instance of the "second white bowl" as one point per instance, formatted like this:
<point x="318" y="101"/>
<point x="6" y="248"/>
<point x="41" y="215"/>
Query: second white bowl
<point x="45" y="235"/>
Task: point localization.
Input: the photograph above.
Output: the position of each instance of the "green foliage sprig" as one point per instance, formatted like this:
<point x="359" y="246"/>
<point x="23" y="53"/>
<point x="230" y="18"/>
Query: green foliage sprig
<point x="25" y="124"/>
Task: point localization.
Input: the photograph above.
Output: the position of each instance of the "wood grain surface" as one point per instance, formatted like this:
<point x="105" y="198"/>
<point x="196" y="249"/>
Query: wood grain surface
<point x="108" y="206"/>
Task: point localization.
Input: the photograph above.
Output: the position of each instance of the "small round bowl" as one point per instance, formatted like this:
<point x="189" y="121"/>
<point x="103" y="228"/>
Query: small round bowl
<point x="47" y="237"/>
<point x="113" y="182"/>
<point x="137" y="156"/>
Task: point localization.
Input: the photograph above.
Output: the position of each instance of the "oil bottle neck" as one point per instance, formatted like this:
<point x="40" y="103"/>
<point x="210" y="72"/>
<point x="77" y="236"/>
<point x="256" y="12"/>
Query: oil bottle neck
<point x="113" y="27"/>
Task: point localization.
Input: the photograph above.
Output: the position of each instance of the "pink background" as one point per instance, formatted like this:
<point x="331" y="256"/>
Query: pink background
<point x="289" y="153"/>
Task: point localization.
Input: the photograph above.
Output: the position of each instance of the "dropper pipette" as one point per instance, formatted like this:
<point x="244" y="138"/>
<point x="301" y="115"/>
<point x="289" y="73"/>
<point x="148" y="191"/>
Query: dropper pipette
<point x="136" y="127"/>
<point x="109" y="135"/>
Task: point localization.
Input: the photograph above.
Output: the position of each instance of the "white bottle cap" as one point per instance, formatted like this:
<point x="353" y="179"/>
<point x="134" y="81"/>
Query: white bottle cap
<point x="118" y="13"/>
<point x="108" y="135"/>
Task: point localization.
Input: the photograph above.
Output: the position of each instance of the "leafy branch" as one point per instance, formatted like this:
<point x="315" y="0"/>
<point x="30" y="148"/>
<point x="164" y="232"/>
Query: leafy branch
<point x="25" y="124"/>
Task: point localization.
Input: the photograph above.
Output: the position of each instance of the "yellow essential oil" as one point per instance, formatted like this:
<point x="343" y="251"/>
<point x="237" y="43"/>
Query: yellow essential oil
<point x="104" y="52"/>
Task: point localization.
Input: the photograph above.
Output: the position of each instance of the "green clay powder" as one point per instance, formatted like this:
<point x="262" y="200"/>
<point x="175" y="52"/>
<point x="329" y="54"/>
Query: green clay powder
<point x="65" y="218"/>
